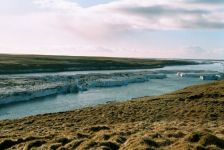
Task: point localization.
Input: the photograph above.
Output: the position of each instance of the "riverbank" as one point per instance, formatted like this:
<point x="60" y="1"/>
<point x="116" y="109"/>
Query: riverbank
<point x="16" y="64"/>
<point x="191" y="118"/>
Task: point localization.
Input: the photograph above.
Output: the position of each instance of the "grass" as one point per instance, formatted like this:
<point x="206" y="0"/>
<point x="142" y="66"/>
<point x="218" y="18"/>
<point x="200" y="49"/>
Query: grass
<point x="177" y="121"/>
<point x="10" y="64"/>
<point x="32" y="144"/>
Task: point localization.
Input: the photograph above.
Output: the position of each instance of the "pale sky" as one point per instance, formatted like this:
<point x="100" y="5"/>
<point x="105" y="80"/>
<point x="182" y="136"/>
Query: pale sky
<point x="124" y="28"/>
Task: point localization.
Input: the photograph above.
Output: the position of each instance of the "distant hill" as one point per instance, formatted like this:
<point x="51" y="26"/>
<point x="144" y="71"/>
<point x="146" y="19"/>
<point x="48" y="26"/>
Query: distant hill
<point x="191" y="118"/>
<point x="11" y="64"/>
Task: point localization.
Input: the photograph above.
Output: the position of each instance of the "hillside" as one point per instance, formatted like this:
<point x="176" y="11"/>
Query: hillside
<point x="11" y="64"/>
<point x="191" y="118"/>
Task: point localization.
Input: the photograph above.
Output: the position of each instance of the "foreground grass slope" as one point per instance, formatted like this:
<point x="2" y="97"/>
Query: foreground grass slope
<point x="191" y="118"/>
<point x="10" y="64"/>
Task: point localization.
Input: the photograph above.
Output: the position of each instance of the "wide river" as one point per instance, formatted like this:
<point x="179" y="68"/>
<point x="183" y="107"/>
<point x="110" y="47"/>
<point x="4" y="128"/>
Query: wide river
<point x="96" y="96"/>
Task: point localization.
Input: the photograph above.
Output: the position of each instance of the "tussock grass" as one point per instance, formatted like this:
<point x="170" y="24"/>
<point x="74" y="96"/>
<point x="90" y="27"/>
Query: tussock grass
<point x="162" y="122"/>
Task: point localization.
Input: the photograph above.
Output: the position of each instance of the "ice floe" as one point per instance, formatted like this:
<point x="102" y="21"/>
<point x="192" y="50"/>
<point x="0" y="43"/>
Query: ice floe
<point x="15" y="89"/>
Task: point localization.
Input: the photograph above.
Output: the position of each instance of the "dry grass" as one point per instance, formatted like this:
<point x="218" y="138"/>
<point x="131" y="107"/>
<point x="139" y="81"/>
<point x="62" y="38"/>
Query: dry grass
<point x="192" y="118"/>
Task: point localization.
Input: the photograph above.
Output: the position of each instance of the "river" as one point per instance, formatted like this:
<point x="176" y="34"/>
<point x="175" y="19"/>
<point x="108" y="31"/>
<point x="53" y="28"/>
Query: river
<point x="96" y="96"/>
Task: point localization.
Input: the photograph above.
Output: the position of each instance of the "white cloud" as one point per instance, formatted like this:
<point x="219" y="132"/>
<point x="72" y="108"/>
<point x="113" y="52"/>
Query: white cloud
<point x="17" y="7"/>
<point x="130" y="14"/>
<point x="102" y="26"/>
<point x="64" y="5"/>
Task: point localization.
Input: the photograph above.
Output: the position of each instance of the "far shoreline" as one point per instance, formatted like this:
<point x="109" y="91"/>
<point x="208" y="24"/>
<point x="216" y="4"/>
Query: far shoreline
<point x="28" y="64"/>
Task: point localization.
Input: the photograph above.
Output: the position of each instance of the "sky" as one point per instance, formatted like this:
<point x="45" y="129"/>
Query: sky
<point x="115" y="28"/>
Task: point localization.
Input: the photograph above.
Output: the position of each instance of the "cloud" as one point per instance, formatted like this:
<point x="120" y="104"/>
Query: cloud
<point x="195" y="49"/>
<point x="17" y="7"/>
<point x="203" y="53"/>
<point x="158" y="10"/>
<point x="167" y="16"/>
<point x="129" y="15"/>
<point x="108" y="27"/>
<point x="206" y="1"/>
<point x="66" y="5"/>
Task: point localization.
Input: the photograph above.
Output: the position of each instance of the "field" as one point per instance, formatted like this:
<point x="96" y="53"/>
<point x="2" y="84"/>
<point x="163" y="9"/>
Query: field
<point x="11" y="64"/>
<point x="191" y="118"/>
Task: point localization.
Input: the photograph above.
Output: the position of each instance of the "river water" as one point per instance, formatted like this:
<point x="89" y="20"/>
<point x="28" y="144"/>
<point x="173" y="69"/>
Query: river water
<point x="96" y="96"/>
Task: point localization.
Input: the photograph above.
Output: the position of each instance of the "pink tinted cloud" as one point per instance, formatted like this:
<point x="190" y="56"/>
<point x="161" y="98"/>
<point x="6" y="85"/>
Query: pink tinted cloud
<point x="102" y="27"/>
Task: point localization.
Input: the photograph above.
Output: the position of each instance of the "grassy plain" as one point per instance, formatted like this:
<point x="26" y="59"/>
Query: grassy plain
<point x="191" y="118"/>
<point x="11" y="64"/>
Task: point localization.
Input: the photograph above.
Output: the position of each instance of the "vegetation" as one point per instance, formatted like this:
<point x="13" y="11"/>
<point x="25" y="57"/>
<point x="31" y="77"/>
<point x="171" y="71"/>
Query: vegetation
<point x="191" y="118"/>
<point x="10" y="64"/>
